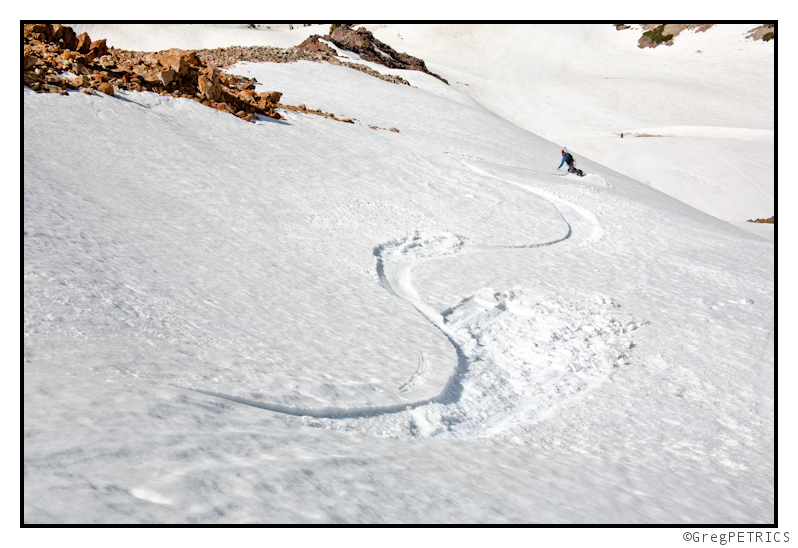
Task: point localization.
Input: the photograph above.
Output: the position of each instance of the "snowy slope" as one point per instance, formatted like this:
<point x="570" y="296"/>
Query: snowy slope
<point x="148" y="37"/>
<point x="309" y="321"/>
<point x="698" y="117"/>
<point x="706" y="104"/>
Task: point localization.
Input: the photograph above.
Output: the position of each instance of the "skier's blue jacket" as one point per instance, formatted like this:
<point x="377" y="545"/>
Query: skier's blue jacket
<point x="564" y="161"/>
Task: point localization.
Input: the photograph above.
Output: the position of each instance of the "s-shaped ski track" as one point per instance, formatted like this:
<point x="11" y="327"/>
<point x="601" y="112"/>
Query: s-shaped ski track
<point x="394" y="264"/>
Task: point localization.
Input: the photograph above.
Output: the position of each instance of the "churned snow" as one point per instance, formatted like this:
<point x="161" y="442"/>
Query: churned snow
<point x="309" y="321"/>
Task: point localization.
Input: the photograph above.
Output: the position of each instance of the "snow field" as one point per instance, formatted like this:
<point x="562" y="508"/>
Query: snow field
<point x="583" y="85"/>
<point x="429" y="326"/>
<point x="148" y="37"/>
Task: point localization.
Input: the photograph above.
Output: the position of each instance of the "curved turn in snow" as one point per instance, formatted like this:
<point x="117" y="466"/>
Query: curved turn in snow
<point x="520" y="352"/>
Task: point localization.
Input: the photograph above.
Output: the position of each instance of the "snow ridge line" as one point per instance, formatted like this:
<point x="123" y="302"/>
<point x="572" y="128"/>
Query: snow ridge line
<point x="402" y="255"/>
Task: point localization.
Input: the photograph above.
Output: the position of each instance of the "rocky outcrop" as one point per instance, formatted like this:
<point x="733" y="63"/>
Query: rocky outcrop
<point x="55" y="60"/>
<point x="225" y="57"/>
<point x="656" y="35"/>
<point x="763" y="32"/>
<point x="313" y="43"/>
<point x="771" y="221"/>
<point x="362" y="42"/>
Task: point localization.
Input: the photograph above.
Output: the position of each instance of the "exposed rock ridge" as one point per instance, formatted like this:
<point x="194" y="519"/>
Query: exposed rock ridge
<point x="225" y="57"/>
<point x="363" y="42"/>
<point x="662" y="30"/>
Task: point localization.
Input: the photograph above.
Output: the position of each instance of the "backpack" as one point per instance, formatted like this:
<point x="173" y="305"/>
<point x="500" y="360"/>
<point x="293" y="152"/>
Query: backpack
<point x="570" y="158"/>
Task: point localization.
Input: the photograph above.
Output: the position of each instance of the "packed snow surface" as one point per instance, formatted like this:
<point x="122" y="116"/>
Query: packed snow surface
<point x="310" y="321"/>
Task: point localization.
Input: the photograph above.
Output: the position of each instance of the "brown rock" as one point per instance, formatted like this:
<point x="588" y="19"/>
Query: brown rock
<point x="762" y="32"/>
<point x="313" y="44"/>
<point x="41" y="32"/>
<point x="174" y="59"/>
<point x="84" y="43"/>
<point x="57" y="33"/>
<point x="357" y="39"/>
<point x="55" y="80"/>
<point x="190" y="57"/>
<point x="166" y="76"/>
<point x="271" y="96"/>
<point x="28" y="61"/>
<point x="209" y="85"/>
<point x="362" y="42"/>
<point x="69" y="38"/>
<point x="98" y="47"/>
<point x="668" y="29"/>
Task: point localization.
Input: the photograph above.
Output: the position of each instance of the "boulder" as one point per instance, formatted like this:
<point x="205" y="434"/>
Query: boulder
<point x="166" y="76"/>
<point x="355" y="39"/>
<point x="272" y="97"/>
<point x="175" y="60"/>
<point x="190" y="57"/>
<point x="313" y="44"/>
<point x="42" y="33"/>
<point x="84" y="43"/>
<point x="57" y="33"/>
<point x="209" y="86"/>
<point x="98" y="47"/>
<point x="106" y="88"/>
<point x="69" y="38"/>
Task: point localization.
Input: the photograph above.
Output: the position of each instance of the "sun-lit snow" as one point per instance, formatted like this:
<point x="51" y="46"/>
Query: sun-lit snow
<point x="697" y="117"/>
<point x="310" y="321"/>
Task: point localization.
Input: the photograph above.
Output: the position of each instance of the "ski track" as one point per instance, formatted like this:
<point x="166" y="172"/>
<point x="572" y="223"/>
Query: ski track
<point x="733" y="166"/>
<point x="491" y="332"/>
